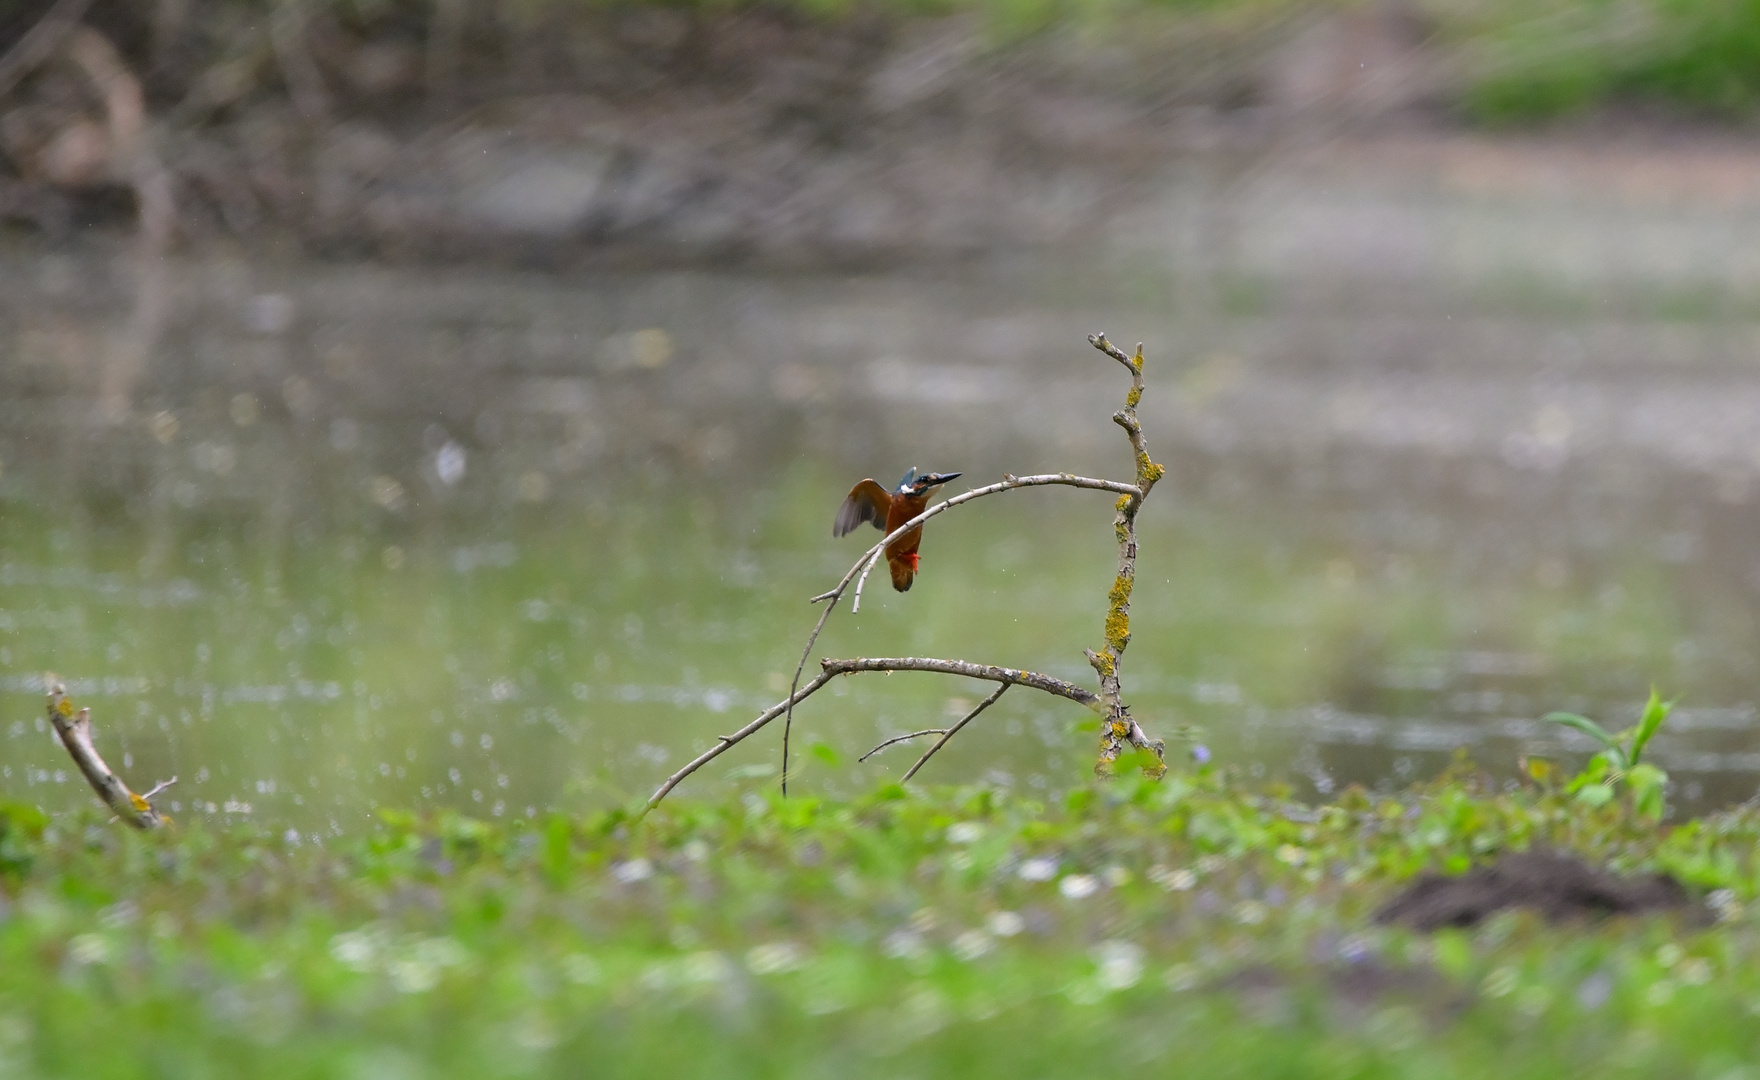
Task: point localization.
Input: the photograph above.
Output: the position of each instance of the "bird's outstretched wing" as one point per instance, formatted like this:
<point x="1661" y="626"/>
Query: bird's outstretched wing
<point x="867" y="503"/>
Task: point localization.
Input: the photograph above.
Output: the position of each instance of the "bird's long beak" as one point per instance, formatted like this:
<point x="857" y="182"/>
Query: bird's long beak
<point x="937" y="479"/>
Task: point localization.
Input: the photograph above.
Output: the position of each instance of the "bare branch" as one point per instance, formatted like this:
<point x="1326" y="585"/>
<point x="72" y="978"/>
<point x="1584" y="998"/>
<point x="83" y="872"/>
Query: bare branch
<point x="794" y="687"/>
<point x="954" y="730"/>
<point x="727" y="742"/>
<point x="75" y="731"/>
<point x="1050" y="684"/>
<point x="866" y="563"/>
<point x="902" y="738"/>
<point x="830" y="669"/>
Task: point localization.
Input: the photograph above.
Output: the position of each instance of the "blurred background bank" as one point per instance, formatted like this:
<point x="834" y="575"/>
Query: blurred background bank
<point x="445" y="402"/>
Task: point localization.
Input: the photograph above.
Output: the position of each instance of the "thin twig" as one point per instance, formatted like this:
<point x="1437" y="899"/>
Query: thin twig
<point x="896" y="739"/>
<point x="830" y="669"/>
<point x="954" y="730"/>
<point x="75" y="732"/>
<point x="794" y="687"/>
<point x="727" y="742"/>
<point x="872" y="555"/>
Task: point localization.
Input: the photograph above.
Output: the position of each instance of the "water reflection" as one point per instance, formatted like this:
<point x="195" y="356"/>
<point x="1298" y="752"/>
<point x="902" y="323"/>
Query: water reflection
<point x="358" y="536"/>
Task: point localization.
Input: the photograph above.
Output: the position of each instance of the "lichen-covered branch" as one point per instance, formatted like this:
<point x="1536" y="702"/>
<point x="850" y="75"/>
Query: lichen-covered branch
<point x="75" y="731"/>
<point x="1120" y="729"/>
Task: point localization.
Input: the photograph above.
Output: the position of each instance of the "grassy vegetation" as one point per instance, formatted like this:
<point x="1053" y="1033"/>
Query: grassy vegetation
<point x="1697" y="57"/>
<point x="956" y="932"/>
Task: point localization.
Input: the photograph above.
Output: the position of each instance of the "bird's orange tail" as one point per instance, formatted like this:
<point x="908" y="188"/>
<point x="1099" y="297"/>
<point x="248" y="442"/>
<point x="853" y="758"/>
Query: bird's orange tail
<point x="904" y="570"/>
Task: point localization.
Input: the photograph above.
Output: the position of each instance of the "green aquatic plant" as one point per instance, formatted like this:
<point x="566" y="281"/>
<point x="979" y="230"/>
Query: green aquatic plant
<point x="1620" y="759"/>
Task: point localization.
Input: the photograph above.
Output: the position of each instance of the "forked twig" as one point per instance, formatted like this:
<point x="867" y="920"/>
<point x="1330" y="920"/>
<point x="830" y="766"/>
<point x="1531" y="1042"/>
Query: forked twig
<point x="954" y="730"/>
<point x="830" y="669"/>
<point x="896" y="739"/>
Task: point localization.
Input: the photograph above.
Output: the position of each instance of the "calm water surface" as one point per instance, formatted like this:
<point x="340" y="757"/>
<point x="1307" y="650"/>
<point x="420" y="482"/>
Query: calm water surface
<point x="319" y="538"/>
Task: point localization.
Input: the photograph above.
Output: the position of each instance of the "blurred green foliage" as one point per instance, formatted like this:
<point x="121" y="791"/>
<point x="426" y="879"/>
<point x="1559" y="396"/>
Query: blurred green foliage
<point x="1694" y="56"/>
<point x="1621" y="759"/>
<point x="956" y="932"/>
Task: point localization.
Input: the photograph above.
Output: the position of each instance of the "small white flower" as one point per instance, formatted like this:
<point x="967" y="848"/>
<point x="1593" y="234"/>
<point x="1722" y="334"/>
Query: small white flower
<point x="1005" y="923"/>
<point x="973" y="944"/>
<point x="965" y="832"/>
<point x="902" y="944"/>
<point x="628" y="873"/>
<point x="1038" y="870"/>
<point x="1120" y="964"/>
<point x="580" y="969"/>
<point x="88" y="949"/>
<point x="706" y="967"/>
<point x="414" y="976"/>
<point x="1181" y="880"/>
<point x="775" y="956"/>
<point x="1695" y="972"/>
<point x="355" y="949"/>
<point x="1079" y="886"/>
<point x="442" y="952"/>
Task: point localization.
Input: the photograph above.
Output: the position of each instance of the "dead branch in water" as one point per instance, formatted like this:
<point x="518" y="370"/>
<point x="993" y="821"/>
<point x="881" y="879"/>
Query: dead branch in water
<point x="74" y="729"/>
<point x="1119" y="728"/>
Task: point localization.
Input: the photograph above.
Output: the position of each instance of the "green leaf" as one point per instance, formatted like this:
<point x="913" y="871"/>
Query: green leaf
<point x="556" y="852"/>
<point x="825" y="753"/>
<point x="1584" y="725"/>
<point x="1617" y="756"/>
<point x="1655" y="712"/>
<point x="1648" y="784"/>
<point x="1595" y="794"/>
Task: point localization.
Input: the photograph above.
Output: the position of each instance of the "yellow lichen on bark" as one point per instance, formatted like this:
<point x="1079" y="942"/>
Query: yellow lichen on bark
<point x="1118" y="620"/>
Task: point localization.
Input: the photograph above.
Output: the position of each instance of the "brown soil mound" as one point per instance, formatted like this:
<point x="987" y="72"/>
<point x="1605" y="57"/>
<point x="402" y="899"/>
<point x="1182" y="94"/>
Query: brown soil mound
<point x="1560" y="887"/>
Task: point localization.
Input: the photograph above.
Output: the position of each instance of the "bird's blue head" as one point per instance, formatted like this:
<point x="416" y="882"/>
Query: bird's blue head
<point x="915" y="483"/>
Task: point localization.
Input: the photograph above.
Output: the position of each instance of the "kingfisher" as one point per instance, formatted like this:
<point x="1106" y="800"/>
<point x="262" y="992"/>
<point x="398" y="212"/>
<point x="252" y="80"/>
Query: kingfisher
<point x="886" y="510"/>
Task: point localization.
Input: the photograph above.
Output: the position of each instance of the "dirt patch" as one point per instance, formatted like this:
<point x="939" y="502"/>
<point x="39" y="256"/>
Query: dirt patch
<point x="1560" y="887"/>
